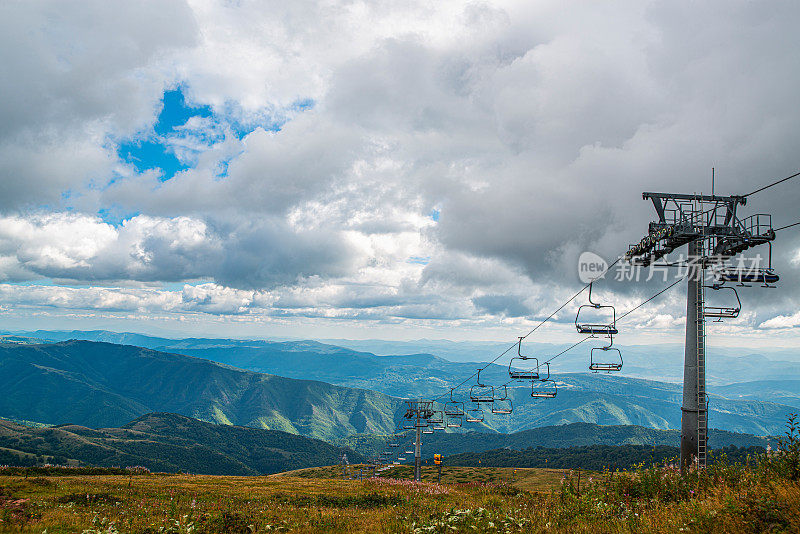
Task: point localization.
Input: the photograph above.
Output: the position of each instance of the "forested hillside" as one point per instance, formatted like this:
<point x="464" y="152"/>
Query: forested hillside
<point x="102" y="384"/>
<point x="168" y="442"/>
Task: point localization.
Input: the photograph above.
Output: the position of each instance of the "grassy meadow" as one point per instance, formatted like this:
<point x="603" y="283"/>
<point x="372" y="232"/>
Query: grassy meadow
<point x="657" y="499"/>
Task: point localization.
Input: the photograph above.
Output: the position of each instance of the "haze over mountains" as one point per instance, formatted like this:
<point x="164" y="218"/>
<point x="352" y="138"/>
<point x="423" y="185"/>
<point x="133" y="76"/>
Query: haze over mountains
<point x="128" y="382"/>
<point x="662" y="362"/>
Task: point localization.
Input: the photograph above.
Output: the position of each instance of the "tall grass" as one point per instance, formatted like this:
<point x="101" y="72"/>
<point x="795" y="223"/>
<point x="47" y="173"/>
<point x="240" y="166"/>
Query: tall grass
<point x="760" y="495"/>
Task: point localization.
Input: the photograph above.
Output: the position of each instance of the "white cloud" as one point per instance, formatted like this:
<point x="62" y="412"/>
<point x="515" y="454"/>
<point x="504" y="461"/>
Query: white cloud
<point x="71" y="77"/>
<point x="531" y="127"/>
<point x="84" y="249"/>
<point x="782" y="321"/>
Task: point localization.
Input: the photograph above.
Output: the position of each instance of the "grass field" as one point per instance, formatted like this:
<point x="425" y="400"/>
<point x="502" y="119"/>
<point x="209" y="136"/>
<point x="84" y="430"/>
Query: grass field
<point x="731" y="499"/>
<point x="540" y="480"/>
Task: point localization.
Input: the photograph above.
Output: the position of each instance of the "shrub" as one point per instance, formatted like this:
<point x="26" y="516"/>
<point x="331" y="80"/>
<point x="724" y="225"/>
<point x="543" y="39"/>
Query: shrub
<point x="784" y="462"/>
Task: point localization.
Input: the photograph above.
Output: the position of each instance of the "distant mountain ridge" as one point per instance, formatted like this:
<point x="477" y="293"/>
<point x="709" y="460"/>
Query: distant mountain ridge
<point x="171" y="443"/>
<point x="102" y="385"/>
<point x="652" y="362"/>
<point x="602" y="399"/>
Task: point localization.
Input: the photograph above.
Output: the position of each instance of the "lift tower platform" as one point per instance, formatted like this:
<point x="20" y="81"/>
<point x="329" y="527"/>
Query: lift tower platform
<point x="711" y="228"/>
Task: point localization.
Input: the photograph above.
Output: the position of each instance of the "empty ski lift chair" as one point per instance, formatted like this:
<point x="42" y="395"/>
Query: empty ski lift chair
<point x="453" y="408"/>
<point x="455" y="421"/>
<point x="474" y="415"/>
<point x="544" y="388"/>
<point x="437" y="420"/>
<point x="607" y="359"/>
<point x="481" y="392"/>
<point x="723" y="312"/>
<point x="524" y="371"/>
<point x="437" y="417"/>
<point x="605" y="329"/>
<point x="502" y="405"/>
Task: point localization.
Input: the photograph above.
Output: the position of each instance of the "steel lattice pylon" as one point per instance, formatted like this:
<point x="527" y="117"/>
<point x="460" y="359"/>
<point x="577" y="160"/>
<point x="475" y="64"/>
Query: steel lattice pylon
<point x="711" y="228"/>
<point x="418" y="412"/>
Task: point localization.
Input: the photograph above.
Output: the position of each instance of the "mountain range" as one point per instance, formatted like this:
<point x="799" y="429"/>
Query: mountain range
<point x="132" y="381"/>
<point x="104" y="385"/>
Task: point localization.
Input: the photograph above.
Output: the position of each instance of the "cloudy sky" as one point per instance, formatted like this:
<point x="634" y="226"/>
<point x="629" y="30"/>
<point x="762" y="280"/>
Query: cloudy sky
<point x="379" y="169"/>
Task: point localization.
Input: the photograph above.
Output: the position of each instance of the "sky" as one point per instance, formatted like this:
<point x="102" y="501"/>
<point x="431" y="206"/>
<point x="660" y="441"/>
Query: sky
<point x="394" y="170"/>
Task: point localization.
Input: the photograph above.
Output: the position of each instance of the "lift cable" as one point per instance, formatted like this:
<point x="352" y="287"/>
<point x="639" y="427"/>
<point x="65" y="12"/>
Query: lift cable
<point x="608" y="269"/>
<point x="673" y="284"/>
<point x="620" y="317"/>
<point x="588" y="285"/>
<point x="575" y="344"/>
<point x="772" y="184"/>
<point x="787" y="226"/>
<point x="587" y="338"/>
<point x="564" y="305"/>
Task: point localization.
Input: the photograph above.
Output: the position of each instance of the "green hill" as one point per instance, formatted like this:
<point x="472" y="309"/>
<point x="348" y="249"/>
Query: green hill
<point x="103" y="385"/>
<point x="171" y="443"/>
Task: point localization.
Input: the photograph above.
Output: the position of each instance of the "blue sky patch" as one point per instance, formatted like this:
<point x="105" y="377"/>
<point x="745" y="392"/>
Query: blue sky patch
<point x="175" y="112"/>
<point x="147" y="155"/>
<point x="174" y="143"/>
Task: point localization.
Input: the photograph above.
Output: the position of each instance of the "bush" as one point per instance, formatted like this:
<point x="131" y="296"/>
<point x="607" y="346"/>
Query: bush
<point x="784" y="462"/>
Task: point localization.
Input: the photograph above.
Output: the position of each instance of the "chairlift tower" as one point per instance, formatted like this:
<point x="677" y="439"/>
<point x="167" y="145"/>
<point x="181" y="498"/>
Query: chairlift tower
<point x="418" y="412"/>
<point x="709" y="225"/>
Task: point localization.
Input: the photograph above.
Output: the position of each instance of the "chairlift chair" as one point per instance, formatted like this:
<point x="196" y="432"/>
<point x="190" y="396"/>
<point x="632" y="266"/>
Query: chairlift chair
<point x="544" y="389"/>
<point x="723" y="312"/>
<point x="453" y="408"/>
<point x="437" y="417"/>
<point x="455" y="421"/>
<point x="427" y="430"/>
<point x="608" y="363"/>
<point x="481" y="392"/>
<point x="503" y="405"/>
<point x="592" y="328"/>
<point x="475" y="415"/>
<point x="522" y="373"/>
